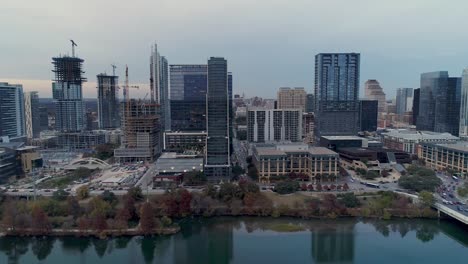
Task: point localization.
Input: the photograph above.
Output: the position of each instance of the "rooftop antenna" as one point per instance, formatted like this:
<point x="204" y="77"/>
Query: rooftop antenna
<point x="73" y="47"/>
<point x="113" y="69"/>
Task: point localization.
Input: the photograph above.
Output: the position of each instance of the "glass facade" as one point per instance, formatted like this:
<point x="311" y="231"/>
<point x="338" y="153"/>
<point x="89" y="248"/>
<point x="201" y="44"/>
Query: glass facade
<point x="12" y="117"/>
<point x="404" y="100"/>
<point x="464" y="105"/>
<point x="218" y="113"/>
<point x="108" y="102"/>
<point x="188" y="97"/>
<point x="337" y="93"/>
<point x="368" y="113"/>
<point x="439" y="103"/>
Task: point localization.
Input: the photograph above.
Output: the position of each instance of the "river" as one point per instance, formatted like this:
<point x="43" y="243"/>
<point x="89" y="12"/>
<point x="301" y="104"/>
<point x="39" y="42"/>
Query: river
<point x="251" y="240"/>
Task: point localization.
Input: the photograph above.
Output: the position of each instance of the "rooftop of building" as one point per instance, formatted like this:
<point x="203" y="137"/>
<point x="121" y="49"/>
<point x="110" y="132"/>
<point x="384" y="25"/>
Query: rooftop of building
<point x="284" y="149"/>
<point x="461" y="146"/>
<point x="173" y="162"/>
<point x="342" y="137"/>
<point x="419" y="135"/>
<point x="186" y="133"/>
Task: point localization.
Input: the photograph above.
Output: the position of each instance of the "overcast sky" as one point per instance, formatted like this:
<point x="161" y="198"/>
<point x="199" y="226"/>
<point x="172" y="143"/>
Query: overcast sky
<point x="268" y="43"/>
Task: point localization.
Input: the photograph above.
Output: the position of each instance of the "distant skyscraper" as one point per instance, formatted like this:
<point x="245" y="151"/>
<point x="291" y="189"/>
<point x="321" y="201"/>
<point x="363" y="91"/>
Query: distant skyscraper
<point x="464" y="106"/>
<point x="292" y="98"/>
<point x="44" y="118"/>
<point x="159" y="84"/>
<point x="374" y="91"/>
<point x="310" y="103"/>
<point x="266" y="125"/>
<point x="108" y="101"/>
<point x="439" y="103"/>
<point x="12" y="118"/>
<point x="217" y="160"/>
<point x="337" y="93"/>
<point x="32" y="114"/>
<point x="188" y="97"/>
<point x="368" y="113"/>
<point x="404" y="100"/>
<point x="67" y="93"/>
<point x="415" y="105"/>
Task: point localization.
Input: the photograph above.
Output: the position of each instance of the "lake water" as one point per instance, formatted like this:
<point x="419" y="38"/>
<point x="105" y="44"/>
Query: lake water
<point x="251" y="240"/>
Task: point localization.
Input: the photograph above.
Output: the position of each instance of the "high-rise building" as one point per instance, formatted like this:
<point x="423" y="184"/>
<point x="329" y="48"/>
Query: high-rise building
<point x="464" y="106"/>
<point x="439" y="103"/>
<point x="404" y="100"/>
<point x="368" y="114"/>
<point x="310" y="103"/>
<point x="67" y="93"/>
<point x="337" y="93"/>
<point x="308" y="127"/>
<point x="374" y="91"/>
<point x="292" y="98"/>
<point x="12" y="118"/>
<point x="188" y="97"/>
<point x="108" y="101"/>
<point x="141" y="132"/>
<point x="415" y="105"/>
<point x="266" y="125"/>
<point x="217" y="161"/>
<point x="44" y="118"/>
<point x="159" y="84"/>
<point x="32" y="114"/>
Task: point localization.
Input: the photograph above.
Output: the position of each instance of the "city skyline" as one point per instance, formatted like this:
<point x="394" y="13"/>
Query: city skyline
<point x="393" y="63"/>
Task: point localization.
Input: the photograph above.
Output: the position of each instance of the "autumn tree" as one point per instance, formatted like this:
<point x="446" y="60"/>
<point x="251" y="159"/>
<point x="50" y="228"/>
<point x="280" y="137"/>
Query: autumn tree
<point x="82" y="192"/>
<point x="135" y="193"/>
<point x="40" y="221"/>
<point x="74" y="208"/>
<point x="147" y="222"/>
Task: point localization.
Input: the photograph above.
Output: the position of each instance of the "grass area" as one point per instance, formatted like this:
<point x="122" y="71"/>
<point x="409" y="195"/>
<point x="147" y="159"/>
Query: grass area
<point x="288" y="199"/>
<point x="58" y="182"/>
<point x="285" y="227"/>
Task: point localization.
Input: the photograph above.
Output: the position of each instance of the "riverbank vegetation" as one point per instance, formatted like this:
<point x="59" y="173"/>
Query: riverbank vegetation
<point x="108" y="214"/>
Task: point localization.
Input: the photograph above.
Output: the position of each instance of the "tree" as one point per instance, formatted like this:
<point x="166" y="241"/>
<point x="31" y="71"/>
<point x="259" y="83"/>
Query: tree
<point x="104" y="151"/>
<point x="371" y="175"/>
<point x="426" y="198"/>
<point x="345" y="187"/>
<point x="229" y="191"/>
<point x="419" y="179"/>
<point x="248" y="186"/>
<point x="74" y="208"/>
<point x="249" y="159"/>
<point x="252" y="171"/>
<point x="285" y="187"/>
<point x="60" y="195"/>
<point x="40" y="221"/>
<point x="349" y="200"/>
<point x="303" y="187"/>
<point x="237" y="170"/>
<point x="82" y="192"/>
<point x="319" y="187"/>
<point x="147" y="222"/>
<point x="184" y="199"/>
<point x="135" y="193"/>
<point x="109" y="197"/>
<point x="310" y="187"/>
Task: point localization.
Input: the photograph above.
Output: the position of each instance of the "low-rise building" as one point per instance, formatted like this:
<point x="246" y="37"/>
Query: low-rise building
<point x="452" y="156"/>
<point x="337" y="142"/>
<point x="171" y="166"/>
<point x="407" y="140"/>
<point x="277" y="160"/>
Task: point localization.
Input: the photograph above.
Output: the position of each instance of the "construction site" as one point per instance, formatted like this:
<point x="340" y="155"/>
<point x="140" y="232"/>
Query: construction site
<point x="141" y="126"/>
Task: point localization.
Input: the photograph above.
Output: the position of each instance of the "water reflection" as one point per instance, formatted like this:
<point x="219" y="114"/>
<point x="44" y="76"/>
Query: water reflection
<point x="213" y="241"/>
<point x="333" y="243"/>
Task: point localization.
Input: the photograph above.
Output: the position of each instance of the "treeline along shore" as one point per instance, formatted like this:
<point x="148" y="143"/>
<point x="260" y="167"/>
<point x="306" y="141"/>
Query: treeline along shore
<point x="136" y="214"/>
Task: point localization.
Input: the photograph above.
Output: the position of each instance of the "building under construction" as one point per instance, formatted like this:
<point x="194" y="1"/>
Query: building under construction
<point x="108" y="101"/>
<point x="142" y="134"/>
<point x="67" y="93"/>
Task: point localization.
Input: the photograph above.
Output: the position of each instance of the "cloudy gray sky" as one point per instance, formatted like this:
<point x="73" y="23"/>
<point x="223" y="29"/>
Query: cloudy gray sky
<point x="268" y="43"/>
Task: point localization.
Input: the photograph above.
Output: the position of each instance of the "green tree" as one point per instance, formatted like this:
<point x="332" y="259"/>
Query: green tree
<point x="60" y="195"/>
<point x="237" y="170"/>
<point x="109" y="197"/>
<point x="426" y="198"/>
<point x="252" y="172"/>
<point x="194" y="178"/>
<point x="349" y="200"/>
<point x="104" y="151"/>
<point x="82" y="172"/>
<point x="419" y="179"/>
<point x="371" y="175"/>
<point x="229" y="191"/>
<point x="285" y="187"/>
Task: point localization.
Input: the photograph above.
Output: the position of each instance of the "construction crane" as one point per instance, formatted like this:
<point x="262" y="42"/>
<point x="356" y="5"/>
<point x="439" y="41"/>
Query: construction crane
<point x="113" y="69"/>
<point x="73" y="47"/>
